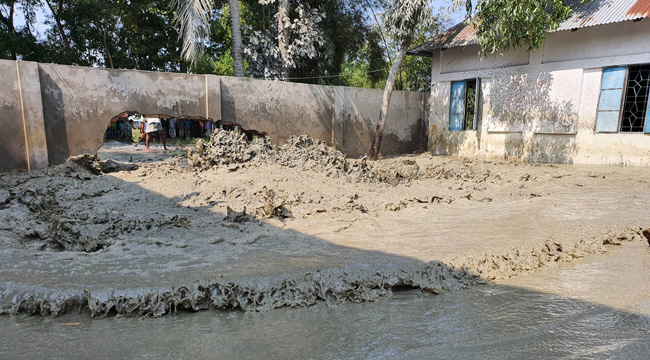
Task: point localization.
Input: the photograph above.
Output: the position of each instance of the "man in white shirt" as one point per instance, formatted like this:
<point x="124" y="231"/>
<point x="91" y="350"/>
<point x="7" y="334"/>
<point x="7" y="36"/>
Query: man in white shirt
<point x="154" y="125"/>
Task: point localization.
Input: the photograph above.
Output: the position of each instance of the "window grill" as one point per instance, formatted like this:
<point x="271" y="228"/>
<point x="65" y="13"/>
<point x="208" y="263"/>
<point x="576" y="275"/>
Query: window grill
<point x="635" y="105"/>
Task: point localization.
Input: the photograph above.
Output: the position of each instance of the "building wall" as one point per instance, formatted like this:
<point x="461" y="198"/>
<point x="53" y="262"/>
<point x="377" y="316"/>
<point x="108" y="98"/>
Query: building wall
<point x="67" y="110"/>
<point x="543" y="109"/>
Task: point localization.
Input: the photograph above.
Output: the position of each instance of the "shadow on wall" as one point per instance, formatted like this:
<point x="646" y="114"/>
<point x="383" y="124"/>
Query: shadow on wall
<point x="356" y="115"/>
<point x="326" y="99"/>
<point x="524" y="103"/>
<point x="56" y="131"/>
<point x="446" y="142"/>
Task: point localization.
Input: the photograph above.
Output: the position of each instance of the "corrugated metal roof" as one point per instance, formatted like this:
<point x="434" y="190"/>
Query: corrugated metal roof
<point x="460" y="35"/>
<point x="598" y="12"/>
<point x="604" y="12"/>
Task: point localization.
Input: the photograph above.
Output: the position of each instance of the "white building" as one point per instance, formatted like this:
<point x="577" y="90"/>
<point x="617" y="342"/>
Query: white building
<point x="581" y="98"/>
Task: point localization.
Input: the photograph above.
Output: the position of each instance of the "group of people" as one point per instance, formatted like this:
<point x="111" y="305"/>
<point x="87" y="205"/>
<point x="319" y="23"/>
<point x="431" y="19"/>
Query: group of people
<point x="122" y="129"/>
<point x="186" y="128"/>
<point x="156" y="126"/>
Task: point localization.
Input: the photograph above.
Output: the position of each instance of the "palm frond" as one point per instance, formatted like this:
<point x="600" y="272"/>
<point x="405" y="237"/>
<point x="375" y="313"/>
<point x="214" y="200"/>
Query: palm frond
<point x="193" y="17"/>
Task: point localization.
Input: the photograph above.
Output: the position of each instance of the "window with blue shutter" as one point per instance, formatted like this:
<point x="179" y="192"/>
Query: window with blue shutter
<point x="463" y="113"/>
<point x="457" y="113"/>
<point x="647" y="119"/>
<point x="611" y="94"/>
<point x="624" y="100"/>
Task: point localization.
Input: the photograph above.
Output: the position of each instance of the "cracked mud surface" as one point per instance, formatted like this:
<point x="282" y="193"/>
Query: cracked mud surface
<point x="136" y="237"/>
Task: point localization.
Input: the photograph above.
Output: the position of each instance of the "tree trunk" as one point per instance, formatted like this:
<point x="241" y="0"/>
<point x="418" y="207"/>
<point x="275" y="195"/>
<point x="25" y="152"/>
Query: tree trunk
<point x="14" y="40"/>
<point x="388" y="91"/>
<point x="283" y="33"/>
<point x="235" y="26"/>
<point x="381" y="31"/>
<point x="59" y="25"/>
<point x="106" y="50"/>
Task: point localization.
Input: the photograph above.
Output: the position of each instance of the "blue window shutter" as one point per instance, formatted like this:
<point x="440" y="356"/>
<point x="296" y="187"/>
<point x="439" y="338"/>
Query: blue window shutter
<point x="647" y="117"/>
<point x="611" y="93"/>
<point x="457" y="111"/>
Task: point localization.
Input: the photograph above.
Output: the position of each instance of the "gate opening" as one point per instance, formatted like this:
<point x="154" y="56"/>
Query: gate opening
<point x="132" y="127"/>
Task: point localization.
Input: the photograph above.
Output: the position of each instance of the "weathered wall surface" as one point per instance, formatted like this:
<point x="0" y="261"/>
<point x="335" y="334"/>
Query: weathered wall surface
<point x="544" y="110"/>
<point x="22" y="139"/>
<point x="456" y="59"/>
<point x="279" y="108"/>
<point x="342" y="116"/>
<point x="357" y="112"/>
<point x="78" y="102"/>
<point x="67" y="109"/>
<point x="12" y="144"/>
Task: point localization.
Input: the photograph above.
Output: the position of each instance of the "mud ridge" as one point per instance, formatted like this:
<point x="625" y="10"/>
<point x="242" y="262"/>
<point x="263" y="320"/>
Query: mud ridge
<point x="331" y="286"/>
<point x="518" y="261"/>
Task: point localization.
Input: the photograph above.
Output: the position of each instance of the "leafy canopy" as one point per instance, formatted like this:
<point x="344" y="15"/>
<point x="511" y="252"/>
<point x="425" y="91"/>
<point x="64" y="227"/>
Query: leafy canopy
<point x="506" y="24"/>
<point x="403" y="18"/>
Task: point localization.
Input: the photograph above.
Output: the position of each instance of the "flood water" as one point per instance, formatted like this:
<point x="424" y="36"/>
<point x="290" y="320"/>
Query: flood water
<point x="594" y="308"/>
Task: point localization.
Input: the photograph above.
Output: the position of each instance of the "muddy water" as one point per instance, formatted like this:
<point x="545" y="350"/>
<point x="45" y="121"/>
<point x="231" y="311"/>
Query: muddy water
<point x="595" y="308"/>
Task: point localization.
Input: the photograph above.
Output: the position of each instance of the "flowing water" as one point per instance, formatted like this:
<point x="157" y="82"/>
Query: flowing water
<point x="594" y="308"/>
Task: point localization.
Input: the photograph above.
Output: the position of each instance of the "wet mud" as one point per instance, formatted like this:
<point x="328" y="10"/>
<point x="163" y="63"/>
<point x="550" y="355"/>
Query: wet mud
<point x="249" y="225"/>
<point x="584" y="309"/>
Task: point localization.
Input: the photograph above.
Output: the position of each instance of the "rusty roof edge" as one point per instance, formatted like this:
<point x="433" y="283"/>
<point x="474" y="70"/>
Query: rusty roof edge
<point x="586" y="15"/>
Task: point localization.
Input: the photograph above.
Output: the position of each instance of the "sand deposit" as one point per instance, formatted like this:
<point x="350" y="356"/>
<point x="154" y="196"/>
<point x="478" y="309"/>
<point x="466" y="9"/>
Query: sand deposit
<point x="255" y="226"/>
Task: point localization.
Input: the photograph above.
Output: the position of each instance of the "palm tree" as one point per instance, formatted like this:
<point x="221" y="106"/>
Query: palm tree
<point x="193" y="16"/>
<point x="235" y="26"/>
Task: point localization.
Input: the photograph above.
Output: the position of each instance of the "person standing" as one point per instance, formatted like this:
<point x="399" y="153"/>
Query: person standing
<point x="208" y="128"/>
<point x="188" y="125"/>
<point x="154" y="125"/>
<point x="129" y="131"/>
<point x="172" y="128"/>
<point x="143" y="126"/>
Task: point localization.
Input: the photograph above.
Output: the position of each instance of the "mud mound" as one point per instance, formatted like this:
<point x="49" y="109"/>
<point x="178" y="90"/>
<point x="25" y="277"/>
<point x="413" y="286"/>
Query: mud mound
<point x="307" y="153"/>
<point x="227" y="148"/>
<point x="233" y="150"/>
<point x="56" y="209"/>
<point x="393" y="172"/>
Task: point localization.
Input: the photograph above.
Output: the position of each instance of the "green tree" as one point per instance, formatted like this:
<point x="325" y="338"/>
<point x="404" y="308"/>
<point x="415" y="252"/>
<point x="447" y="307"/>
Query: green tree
<point x="19" y="42"/>
<point x="193" y="18"/>
<point x="402" y="18"/>
<point x="415" y="74"/>
<point x="351" y="41"/>
<point x="505" y="24"/>
<point x="138" y="34"/>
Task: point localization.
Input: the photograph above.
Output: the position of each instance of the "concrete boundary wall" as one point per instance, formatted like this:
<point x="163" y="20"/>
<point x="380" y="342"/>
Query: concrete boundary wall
<point x="22" y="139"/>
<point x="67" y="108"/>
<point x="78" y="102"/>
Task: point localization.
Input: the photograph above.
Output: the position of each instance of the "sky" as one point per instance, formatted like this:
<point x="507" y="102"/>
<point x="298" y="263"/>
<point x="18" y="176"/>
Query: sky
<point x="42" y="14"/>
<point x="41" y="27"/>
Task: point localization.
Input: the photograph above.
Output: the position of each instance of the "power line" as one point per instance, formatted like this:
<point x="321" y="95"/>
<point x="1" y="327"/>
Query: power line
<point x="330" y="76"/>
<point x="341" y="74"/>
